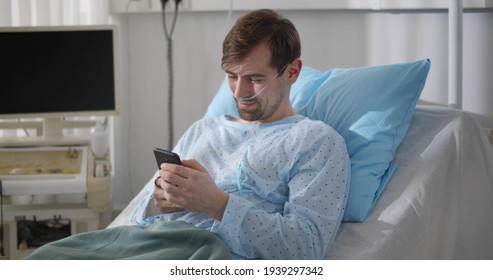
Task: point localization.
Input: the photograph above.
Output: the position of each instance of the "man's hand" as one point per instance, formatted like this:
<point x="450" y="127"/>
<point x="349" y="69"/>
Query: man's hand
<point x="189" y="186"/>
<point x="163" y="205"/>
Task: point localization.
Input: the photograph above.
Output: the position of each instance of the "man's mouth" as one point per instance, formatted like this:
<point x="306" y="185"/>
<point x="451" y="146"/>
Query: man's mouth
<point x="246" y="104"/>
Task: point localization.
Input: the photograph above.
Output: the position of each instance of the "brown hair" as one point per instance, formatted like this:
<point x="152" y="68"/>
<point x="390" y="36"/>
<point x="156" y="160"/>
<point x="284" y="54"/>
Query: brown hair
<point x="260" y="26"/>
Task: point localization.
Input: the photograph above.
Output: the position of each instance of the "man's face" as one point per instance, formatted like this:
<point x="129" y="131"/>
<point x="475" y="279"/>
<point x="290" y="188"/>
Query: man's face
<point x="252" y="76"/>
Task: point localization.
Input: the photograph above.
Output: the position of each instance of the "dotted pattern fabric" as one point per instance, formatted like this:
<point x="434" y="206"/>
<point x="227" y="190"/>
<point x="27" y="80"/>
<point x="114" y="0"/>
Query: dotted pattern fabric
<point x="294" y="180"/>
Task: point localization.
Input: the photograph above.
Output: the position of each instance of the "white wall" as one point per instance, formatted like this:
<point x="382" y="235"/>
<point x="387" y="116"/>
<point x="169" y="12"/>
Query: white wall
<point x="330" y="39"/>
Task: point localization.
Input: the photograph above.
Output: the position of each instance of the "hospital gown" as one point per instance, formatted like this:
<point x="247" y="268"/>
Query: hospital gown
<point x="287" y="183"/>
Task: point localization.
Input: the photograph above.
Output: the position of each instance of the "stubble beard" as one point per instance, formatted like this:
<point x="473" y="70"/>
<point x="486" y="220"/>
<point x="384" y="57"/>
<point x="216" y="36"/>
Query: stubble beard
<point x="260" y="112"/>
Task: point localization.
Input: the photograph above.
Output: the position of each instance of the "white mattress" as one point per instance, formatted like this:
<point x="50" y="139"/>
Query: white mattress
<point x="438" y="204"/>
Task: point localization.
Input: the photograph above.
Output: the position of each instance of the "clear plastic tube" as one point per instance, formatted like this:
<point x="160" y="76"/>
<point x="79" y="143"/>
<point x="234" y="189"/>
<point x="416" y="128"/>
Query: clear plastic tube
<point x="262" y="90"/>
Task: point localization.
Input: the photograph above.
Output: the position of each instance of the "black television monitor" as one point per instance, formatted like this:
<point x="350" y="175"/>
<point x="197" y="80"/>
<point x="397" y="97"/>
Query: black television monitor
<point x="53" y="72"/>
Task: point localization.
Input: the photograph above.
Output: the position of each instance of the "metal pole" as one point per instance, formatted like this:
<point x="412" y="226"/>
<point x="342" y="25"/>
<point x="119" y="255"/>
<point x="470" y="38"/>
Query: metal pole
<point x="455" y="54"/>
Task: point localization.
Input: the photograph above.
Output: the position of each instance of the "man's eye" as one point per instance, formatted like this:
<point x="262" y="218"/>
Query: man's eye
<point x="256" y="80"/>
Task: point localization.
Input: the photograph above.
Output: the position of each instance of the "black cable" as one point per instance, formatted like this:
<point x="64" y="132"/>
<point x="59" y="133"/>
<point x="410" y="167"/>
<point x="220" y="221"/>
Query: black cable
<point x="169" y="33"/>
<point x="169" y="41"/>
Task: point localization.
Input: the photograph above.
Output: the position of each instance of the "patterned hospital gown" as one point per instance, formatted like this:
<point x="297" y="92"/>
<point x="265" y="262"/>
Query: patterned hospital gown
<point x="287" y="183"/>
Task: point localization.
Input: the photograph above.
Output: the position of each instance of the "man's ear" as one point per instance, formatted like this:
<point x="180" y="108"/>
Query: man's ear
<point x="294" y="69"/>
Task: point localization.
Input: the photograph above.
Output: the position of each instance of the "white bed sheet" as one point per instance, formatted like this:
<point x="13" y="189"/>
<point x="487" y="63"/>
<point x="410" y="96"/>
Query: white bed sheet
<point x="438" y="204"/>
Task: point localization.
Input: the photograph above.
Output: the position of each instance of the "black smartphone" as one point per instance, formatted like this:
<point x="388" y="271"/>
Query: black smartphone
<point x="163" y="156"/>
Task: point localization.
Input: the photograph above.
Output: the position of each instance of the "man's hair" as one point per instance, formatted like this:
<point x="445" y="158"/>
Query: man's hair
<point x="257" y="27"/>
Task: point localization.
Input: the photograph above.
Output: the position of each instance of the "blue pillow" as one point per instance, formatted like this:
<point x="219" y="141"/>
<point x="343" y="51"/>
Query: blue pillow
<point x="371" y="107"/>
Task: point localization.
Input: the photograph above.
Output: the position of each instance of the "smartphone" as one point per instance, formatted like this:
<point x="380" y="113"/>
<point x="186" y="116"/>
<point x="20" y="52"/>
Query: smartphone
<point x="163" y="156"/>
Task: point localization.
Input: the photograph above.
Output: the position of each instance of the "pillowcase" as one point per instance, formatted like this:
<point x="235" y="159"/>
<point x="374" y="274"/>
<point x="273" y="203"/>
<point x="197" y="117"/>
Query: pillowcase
<point x="371" y="107"/>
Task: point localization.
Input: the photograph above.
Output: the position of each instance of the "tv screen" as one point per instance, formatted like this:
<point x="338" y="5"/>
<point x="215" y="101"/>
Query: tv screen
<point x="58" y="71"/>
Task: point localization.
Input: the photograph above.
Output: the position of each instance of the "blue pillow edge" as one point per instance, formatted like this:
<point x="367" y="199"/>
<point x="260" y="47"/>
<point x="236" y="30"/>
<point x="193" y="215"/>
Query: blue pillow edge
<point x="409" y="112"/>
<point x="361" y="216"/>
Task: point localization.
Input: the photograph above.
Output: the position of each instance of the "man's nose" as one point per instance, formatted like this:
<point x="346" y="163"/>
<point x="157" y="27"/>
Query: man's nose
<point x="243" y="88"/>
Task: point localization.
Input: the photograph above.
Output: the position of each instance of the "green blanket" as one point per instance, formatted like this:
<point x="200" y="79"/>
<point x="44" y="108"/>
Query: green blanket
<point x="159" y="241"/>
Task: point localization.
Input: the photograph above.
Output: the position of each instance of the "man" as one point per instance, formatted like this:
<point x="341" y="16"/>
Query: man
<point x="272" y="184"/>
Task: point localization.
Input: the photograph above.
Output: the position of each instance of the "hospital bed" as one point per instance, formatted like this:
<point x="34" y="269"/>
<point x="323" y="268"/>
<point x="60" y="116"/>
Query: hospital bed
<point x="422" y="175"/>
<point x="439" y="201"/>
